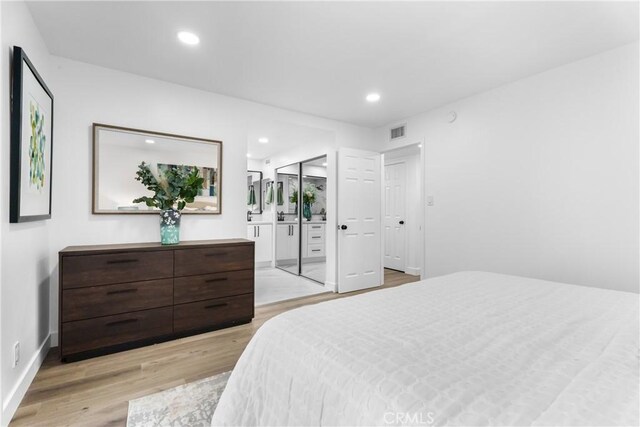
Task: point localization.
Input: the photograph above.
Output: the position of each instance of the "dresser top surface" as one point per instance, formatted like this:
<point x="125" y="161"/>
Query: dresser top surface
<point x="152" y="246"/>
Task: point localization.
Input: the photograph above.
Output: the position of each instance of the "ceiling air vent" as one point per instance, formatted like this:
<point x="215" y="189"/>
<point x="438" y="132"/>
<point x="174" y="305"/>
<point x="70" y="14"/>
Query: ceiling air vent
<point x="398" y="132"/>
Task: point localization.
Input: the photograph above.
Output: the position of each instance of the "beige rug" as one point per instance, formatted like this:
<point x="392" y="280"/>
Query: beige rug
<point x="186" y="405"/>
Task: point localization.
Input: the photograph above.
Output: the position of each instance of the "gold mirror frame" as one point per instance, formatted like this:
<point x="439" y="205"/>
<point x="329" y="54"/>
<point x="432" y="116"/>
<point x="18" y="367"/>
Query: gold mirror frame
<point x="95" y="190"/>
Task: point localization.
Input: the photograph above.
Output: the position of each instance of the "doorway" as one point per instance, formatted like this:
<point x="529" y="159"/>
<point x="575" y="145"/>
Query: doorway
<point x="403" y="212"/>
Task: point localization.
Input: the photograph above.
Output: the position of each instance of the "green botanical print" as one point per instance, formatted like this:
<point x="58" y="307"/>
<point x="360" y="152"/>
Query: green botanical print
<point x="37" y="142"/>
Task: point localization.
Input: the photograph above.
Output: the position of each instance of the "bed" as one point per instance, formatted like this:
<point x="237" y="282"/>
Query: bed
<point x="470" y="348"/>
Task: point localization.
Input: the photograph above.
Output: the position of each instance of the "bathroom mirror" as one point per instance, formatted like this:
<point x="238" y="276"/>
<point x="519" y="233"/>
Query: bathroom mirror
<point x="268" y="194"/>
<point x="118" y="151"/>
<point x="254" y="192"/>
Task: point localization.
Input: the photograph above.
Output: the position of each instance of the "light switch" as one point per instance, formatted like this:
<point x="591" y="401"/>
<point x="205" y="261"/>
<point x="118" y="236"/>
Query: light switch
<point x="429" y="200"/>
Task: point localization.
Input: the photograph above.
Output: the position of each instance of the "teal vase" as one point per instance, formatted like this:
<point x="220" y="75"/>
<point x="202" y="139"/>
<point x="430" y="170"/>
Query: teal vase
<point x="306" y="211"/>
<point x="170" y="227"/>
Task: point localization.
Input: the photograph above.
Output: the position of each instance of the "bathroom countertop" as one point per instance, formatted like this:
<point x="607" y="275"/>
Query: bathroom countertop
<point x="303" y="222"/>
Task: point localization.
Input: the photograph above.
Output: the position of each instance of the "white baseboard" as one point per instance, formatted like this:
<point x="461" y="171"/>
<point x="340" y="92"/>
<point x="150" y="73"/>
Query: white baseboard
<point x="413" y="271"/>
<point x="14" y="397"/>
<point x="53" y="342"/>
<point x="263" y="264"/>
<point x="331" y="286"/>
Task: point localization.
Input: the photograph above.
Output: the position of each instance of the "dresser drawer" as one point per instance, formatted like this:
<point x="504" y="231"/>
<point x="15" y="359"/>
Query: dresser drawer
<point x="92" y="270"/>
<point x="96" y="301"/>
<point x="315" y="237"/>
<point x="84" y="335"/>
<point x="315" y="250"/>
<point x="191" y="262"/>
<point x="208" y="286"/>
<point x="204" y="314"/>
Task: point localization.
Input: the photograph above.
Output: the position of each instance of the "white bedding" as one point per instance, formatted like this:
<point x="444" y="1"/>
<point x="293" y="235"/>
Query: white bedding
<point x="469" y="348"/>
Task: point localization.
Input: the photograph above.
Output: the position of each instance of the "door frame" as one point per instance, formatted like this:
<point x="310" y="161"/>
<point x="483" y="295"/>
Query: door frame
<point x="420" y="144"/>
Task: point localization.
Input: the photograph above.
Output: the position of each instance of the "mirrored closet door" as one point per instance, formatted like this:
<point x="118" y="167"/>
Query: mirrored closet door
<point x="287" y="215"/>
<point x="301" y="210"/>
<point x="314" y="218"/>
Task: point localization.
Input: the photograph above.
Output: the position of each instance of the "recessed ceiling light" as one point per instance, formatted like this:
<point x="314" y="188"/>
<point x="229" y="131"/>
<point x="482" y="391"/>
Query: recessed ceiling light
<point x="188" y="38"/>
<point x="149" y="141"/>
<point x="373" y="97"/>
<point x="248" y="155"/>
<point x="419" y="145"/>
<point x="263" y="140"/>
<point x="324" y="164"/>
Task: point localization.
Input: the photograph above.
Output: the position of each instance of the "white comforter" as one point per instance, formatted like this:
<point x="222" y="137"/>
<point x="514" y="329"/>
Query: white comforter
<point x="469" y="348"/>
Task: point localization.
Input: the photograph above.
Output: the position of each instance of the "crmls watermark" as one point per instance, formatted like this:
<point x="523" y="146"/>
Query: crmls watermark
<point x="409" y="418"/>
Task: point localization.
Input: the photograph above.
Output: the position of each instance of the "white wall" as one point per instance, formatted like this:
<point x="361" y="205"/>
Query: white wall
<point x="25" y="284"/>
<point x="539" y="177"/>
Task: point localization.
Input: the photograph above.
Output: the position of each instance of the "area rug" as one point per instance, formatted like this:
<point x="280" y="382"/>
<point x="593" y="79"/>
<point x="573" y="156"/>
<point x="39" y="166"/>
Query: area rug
<point x="186" y="405"/>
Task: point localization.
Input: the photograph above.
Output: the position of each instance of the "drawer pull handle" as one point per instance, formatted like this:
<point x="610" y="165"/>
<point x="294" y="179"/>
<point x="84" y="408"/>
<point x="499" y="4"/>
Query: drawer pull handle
<point x="217" y="279"/>
<point x="122" y="322"/>
<point x="122" y="261"/>
<point x="217" y="254"/>
<point x="316" y="237"/>
<point x="122" y="291"/>
<point x="222" y="304"/>
<point x="316" y="226"/>
<point x="315" y="250"/>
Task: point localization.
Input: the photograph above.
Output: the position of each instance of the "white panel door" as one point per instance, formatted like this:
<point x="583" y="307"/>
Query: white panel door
<point x="394" y="216"/>
<point x="359" y="220"/>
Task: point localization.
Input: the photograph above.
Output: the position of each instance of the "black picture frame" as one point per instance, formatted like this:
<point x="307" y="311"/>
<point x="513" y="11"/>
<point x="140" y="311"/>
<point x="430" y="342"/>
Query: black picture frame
<point x="20" y="67"/>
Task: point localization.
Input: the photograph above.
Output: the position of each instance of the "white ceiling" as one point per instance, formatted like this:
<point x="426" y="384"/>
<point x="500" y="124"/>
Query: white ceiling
<point x="282" y="136"/>
<point x="324" y="57"/>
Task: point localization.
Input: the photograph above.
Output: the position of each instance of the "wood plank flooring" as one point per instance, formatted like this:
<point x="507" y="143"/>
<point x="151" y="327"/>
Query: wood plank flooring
<point x="96" y="392"/>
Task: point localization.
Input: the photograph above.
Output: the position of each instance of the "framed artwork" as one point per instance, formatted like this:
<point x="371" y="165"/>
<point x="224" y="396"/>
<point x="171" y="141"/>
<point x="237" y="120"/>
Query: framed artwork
<point x="31" y="142"/>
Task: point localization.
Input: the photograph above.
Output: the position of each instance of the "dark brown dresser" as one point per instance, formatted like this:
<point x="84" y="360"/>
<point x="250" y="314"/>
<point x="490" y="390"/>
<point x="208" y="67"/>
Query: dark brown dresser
<point x="115" y="297"/>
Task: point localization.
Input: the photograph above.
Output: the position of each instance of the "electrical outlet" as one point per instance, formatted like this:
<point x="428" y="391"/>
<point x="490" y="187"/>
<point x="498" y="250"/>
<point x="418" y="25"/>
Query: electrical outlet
<point x="429" y="200"/>
<point x="16" y="354"/>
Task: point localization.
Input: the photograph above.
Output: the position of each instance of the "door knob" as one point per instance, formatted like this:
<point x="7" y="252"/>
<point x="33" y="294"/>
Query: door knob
<point x="401" y="222"/>
<point x="343" y="227"/>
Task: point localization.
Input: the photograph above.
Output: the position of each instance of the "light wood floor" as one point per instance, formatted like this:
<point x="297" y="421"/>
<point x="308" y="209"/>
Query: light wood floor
<point x="96" y="392"/>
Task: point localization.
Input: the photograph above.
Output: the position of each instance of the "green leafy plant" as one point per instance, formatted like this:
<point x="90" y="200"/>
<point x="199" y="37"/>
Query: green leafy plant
<point x="308" y="195"/>
<point x="173" y="188"/>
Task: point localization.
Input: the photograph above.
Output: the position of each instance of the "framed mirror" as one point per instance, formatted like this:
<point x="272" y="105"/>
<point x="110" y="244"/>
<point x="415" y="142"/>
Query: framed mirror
<point x="254" y="192"/>
<point x="118" y="151"/>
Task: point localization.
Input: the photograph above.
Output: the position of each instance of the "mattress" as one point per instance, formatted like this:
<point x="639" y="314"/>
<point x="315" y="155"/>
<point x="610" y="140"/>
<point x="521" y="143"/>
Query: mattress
<point x="470" y="348"/>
